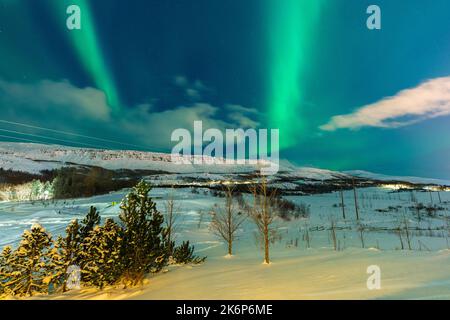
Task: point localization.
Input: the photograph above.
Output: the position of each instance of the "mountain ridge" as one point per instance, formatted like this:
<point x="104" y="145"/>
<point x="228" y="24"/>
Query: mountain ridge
<point x="34" y="158"/>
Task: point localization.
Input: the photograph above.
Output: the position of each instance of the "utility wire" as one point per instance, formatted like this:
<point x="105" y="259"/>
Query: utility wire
<point x="51" y="138"/>
<point x="22" y="139"/>
<point x="72" y="134"/>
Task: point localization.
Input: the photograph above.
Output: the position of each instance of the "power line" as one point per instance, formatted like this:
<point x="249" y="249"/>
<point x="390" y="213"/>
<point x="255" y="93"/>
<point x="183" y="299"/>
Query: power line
<point x="72" y="134"/>
<point x="51" y="138"/>
<point x="23" y="139"/>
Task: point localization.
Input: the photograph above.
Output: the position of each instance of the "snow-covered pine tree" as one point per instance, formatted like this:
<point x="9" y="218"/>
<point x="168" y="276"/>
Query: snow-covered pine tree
<point x="89" y="222"/>
<point x="5" y="270"/>
<point x="101" y="255"/>
<point x="184" y="253"/>
<point x="65" y="254"/>
<point x="30" y="267"/>
<point x="143" y="245"/>
<point x="67" y="249"/>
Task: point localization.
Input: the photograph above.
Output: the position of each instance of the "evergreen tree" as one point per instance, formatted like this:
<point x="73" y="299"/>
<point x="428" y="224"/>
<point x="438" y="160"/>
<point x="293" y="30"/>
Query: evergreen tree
<point x="35" y="191"/>
<point x="89" y="222"/>
<point x="101" y="255"/>
<point x="48" y="190"/>
<point x="70" y="244"/>
<point x="66" y="253"/>
<point x="185" y="254"/>
<point x="29" y="263"/>
<point x="67" y="249"/>
<point x="5" y="269"/>
<point x="143" y="244"/>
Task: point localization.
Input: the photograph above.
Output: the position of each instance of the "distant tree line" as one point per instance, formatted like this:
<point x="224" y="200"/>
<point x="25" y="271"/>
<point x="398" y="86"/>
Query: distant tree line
<point x="71" y="182"/>
<point x="68" y="182"/>
<point x="11" y="177"/>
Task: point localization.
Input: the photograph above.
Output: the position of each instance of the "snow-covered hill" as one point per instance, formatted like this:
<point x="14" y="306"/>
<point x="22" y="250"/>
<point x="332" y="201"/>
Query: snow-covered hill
<point x="34" y="158"/>
<point x="383" y="177"/>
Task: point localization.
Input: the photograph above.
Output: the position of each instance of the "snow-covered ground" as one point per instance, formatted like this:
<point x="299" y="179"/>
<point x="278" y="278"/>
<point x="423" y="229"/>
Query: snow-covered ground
<point x="311" y="274"/>
<point x="296" y="271"/>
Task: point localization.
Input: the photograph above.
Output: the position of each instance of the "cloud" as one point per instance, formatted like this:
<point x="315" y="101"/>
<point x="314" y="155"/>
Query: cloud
<point x="60" y="105"/>
<point x="47" y="95"/>
<point x="430" y="99"/>
<point x="180" y="80"/>
<point x="239" y="108"/>
<point x="192" y="89"/>
<point x="242" y="116"/>
<point x="193" y="93"/>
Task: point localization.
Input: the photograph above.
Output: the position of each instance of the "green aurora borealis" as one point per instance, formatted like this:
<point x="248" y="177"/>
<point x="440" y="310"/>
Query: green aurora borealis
<point x="292" y="24"/>
<point x="89" y="51"/>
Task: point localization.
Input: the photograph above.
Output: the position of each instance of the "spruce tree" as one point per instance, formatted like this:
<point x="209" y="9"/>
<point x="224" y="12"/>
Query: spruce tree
<point x="89" y="222"/>
<point x="29" y="263"/>
<point x="5" y="270"/>
<point x="143" y="244"/>
<point x="101" y="255"/>
<point x="68" y="248"/>
<point x="65" y="254"/>
<point x="184" y="253"/>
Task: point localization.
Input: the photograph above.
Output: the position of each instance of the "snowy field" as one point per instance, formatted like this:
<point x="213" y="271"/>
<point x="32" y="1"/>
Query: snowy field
<point x="300" y="269"/>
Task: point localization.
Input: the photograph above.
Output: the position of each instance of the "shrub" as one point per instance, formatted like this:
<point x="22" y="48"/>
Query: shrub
<point x="288" y="209"/>
<point x="185" y="254"/>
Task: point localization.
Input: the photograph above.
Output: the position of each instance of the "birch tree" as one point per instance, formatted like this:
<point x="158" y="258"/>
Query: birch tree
<point x="226" y="219"/>
<point x="263" y="212"/>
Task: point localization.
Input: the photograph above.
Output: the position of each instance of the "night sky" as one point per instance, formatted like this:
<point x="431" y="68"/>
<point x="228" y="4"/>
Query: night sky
<point x="344" y="97"/>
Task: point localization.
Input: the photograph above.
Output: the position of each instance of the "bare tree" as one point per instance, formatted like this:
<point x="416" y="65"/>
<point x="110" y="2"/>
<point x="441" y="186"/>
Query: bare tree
<point x="226" y="219"/>
<point x="172" y="215"/>
<point x="263" y="213"/>
<point x="356" y="199"/>
<point x="342" y="203"/>
<point x="399" y="233"/>
<point x="333" y="234"/>
<point x="361" y="229"/>
<point x="408" y="236"/>
<point x="307" y="237"/>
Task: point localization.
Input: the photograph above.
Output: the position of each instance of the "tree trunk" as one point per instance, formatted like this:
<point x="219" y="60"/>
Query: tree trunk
<point x="356" y="200"/>
<point x="342" y="204"/>
<point x="230" y="224"/>
<point x="266" y="244"/>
